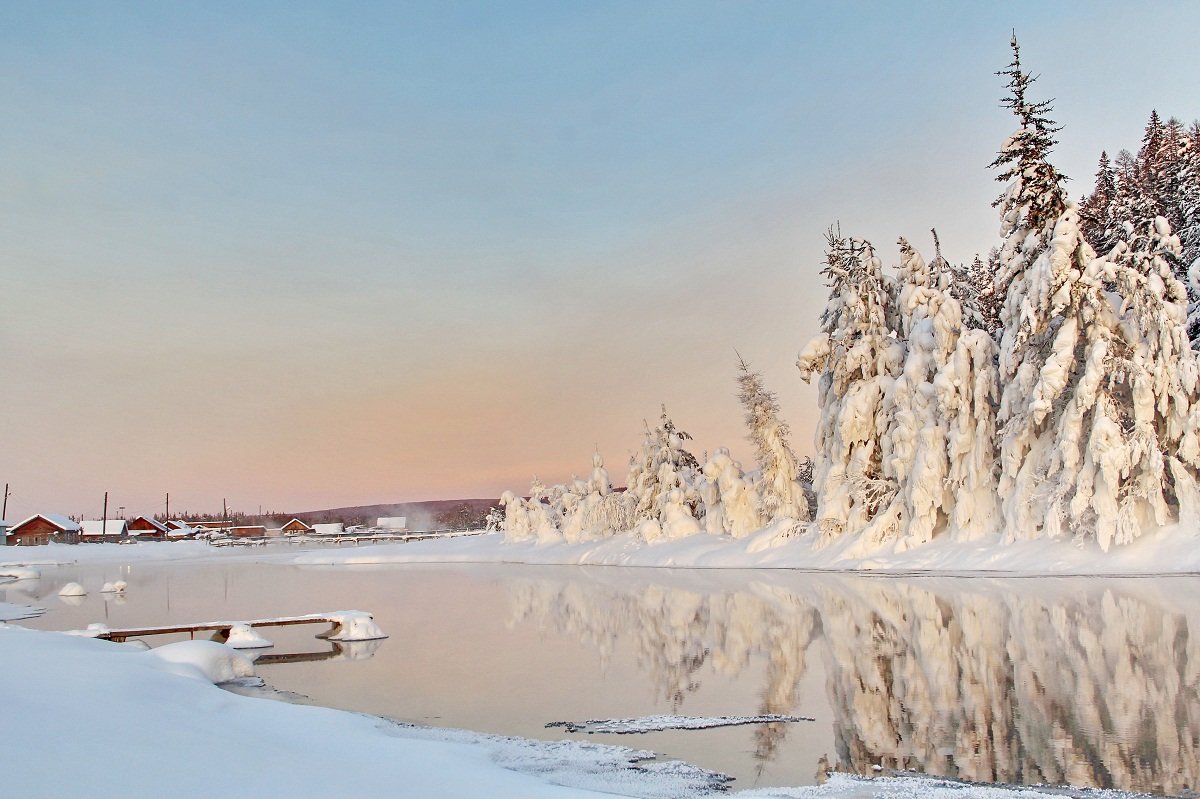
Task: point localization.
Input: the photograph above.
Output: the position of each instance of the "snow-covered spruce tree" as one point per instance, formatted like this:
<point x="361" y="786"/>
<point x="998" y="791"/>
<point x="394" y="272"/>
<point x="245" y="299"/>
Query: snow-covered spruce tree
<point x="939" y="446"/>
<point x="780" y="495"/>
<point x="1095" y="211"/>
<point x="856" y="358"/>
<point x="662" y="465"/>
<point x="1039" y="267"/>
<point x="1152" y="464"/>
<point x="1082" y="369"/>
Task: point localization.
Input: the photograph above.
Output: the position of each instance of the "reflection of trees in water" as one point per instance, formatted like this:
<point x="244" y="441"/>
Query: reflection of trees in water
<point x="1019" y="681"/>
<point x="675" y="632"/>
<point x="1087" y="688"/>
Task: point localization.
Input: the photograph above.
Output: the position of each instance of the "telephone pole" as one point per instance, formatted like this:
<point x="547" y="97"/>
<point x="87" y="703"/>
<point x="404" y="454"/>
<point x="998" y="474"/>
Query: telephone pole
<point x="4" y="513"/>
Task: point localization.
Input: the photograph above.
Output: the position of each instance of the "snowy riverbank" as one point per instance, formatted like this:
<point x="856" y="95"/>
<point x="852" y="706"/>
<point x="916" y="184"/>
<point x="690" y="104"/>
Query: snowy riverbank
<point x="1167" y="551"/>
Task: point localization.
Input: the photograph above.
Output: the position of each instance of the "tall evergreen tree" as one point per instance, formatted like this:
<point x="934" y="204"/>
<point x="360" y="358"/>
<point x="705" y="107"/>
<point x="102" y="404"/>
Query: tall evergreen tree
<point x="780" y="494"/>
<point x="1095" y="210"/>
<point x="856" y="358"/>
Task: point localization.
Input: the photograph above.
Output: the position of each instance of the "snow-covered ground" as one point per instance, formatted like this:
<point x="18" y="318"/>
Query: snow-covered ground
<point x="1166" y="551"/>
<point x="647" y="724"/>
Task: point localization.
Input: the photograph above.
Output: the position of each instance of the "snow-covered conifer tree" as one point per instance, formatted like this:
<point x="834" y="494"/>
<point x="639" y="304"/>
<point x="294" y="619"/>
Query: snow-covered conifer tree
<point x="856" y="358"/>
<point x="664" y="463"/>
<point x="1095" y="212"/>
<point x="1039" y="266"/>
<point x="780" y="494"/>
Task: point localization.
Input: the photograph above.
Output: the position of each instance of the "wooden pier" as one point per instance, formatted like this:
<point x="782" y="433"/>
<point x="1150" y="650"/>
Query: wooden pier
<point x="334" y="619"/>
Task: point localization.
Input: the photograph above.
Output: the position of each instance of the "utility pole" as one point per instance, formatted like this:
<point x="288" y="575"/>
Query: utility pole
<point x="104" y="518"/>
<point x="224" y="512"/>
<point x="4" y="513"/>
<point x="167" y="515"/>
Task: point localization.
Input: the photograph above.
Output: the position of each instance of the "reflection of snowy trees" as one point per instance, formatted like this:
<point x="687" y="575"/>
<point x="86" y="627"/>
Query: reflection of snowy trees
<point x="992" y="681"/>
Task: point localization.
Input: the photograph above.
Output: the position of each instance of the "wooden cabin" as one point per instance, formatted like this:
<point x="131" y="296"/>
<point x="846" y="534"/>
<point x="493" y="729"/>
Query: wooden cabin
<point x="100" y="531"/>
<point x="295" y="527"/>
<point x="42" y="528"/>
<point x="147" y="528"/>
<point x="248" y="531"/>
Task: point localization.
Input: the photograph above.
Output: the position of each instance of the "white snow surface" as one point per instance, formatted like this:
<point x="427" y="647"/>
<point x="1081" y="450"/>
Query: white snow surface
<point x="668" y="722"/>
<point x="19" y="572"/>
<point x="208" y="660"/>
<point x="1169" y="550"/>
<point x="72" y="589"/>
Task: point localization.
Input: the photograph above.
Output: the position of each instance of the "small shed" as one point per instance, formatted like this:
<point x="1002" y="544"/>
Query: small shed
<point x="332" y="528"/>
<point x="178" y="529"/>
<point x="42" y="528"/>
<point x="147" y="527"/>
<point x="108" y="531"/>
<point x="295" y="527"/>
<point x="393" y="523"/>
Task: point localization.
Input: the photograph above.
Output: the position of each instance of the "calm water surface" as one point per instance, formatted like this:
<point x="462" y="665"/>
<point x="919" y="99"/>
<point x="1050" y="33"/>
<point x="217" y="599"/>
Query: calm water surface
<point x="1088" y="681"/>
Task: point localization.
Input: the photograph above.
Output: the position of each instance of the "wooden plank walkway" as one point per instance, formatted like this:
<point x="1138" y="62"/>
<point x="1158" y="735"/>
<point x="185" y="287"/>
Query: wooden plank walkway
<point x="124" y="633"/>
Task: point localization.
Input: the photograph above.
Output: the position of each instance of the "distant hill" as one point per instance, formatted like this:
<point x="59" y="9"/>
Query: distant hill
<point x="434" y="514"/>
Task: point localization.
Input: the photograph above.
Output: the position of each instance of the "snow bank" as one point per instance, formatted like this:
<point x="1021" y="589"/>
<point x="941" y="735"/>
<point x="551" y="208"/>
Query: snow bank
<point x="117" y="587"/>
<point x="1170" y="550"/>
<point x="207" y="660"/>
<point x="19" y="572"/>
<point x="72" y="589"/>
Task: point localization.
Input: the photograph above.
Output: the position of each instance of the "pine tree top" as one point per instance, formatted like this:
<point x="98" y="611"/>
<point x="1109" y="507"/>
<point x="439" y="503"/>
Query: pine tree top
<point x="1035" y="185"/>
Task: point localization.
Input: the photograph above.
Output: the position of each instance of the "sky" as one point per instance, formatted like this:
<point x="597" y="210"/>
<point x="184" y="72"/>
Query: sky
<point x="307" y="255"/>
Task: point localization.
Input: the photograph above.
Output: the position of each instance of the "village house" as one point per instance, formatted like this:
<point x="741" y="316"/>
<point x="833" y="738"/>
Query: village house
<point x="295" y="527"/>
<point x="42" y="528"/>
<point x="147" y="528"/>
<point x="100" y="531"/>
<point x="331" y="528"/>
<point x="247" y="531"/>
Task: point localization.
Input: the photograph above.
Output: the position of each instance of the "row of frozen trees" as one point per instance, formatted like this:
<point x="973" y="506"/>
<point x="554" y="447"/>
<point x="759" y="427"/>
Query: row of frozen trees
<point x="1050" y="392"/>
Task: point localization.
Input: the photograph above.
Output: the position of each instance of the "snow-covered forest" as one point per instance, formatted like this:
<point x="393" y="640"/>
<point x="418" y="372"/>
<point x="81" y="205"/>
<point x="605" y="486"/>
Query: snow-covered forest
<point x="1049" y="390"/>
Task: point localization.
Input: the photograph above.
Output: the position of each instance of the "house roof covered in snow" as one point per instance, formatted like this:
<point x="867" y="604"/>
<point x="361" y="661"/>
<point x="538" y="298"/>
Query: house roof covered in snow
<point x="103" y="527"/>
<point x="61" y="522"/>
<point x="152" y="521"/>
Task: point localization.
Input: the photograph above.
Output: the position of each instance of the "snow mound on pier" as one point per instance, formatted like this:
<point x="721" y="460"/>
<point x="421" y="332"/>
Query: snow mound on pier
<point x="243" y="636"/>
<point x="355" y="625"/>
<point x="72" y="589"/>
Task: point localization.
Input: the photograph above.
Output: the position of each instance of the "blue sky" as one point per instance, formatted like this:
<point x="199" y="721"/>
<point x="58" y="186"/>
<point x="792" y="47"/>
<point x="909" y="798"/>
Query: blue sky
<point x="311" y="254"/>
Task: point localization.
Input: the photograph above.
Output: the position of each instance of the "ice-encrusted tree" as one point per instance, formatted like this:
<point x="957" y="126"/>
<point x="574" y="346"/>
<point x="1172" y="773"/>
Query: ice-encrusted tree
<point x="780" y="494"/>
<point x="856" y="357"/>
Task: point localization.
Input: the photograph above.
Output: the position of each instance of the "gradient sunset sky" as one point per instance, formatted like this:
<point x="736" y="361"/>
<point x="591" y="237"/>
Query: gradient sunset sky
<point x="306" y="255"/>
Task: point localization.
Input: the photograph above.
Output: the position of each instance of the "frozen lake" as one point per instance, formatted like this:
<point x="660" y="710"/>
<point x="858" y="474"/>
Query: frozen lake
<point x="1089" y="681"/>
